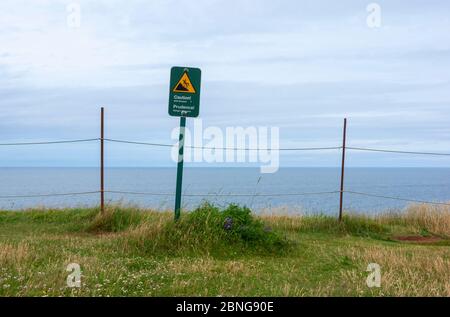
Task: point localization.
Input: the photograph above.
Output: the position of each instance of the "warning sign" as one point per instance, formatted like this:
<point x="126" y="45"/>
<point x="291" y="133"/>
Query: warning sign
<point x="184" y="85"/>
<point x="184" y="95"/>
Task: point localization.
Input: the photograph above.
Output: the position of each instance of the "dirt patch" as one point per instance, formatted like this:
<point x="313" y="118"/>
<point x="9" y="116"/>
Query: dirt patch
<point x="417" y="239"/>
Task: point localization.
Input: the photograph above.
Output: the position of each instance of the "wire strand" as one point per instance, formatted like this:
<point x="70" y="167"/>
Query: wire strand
<point x="49" y="142"/>
<point x="396" y="151"/>
<point x="221" y="195"/>
<point x="50" y="195"/>
<point x="397" y="198"/>
<point x="137" y="142"/>
<point x="226" y="195"/>
<point x="225" y="148"/>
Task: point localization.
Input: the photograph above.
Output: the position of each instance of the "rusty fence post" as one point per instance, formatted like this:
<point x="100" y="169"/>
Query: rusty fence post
<point x="102" y="162"/>
<point x="341" y="193"/>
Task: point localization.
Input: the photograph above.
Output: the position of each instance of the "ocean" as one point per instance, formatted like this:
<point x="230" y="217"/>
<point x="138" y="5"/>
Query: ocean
<point x="429" y="184"/>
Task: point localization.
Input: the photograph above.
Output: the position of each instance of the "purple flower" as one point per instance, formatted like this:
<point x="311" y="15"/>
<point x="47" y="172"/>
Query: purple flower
<point x="228" y="224"/>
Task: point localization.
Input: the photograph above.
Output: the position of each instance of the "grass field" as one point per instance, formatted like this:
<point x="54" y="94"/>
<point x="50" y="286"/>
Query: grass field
<point x="211" y="252"/>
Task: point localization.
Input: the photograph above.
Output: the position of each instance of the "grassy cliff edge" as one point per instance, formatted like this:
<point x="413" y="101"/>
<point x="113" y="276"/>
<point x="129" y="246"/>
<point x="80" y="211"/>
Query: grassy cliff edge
<point x="129" y="251"/>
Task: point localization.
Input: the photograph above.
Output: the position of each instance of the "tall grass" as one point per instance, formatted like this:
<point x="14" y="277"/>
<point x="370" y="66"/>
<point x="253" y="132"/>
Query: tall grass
<point x="207" y="230"/>
<point x="356" y="225"/>
<point x="433" y="219"/>
<point x="115" y="219"/>
<point x="420" y="219"/>
<point x="14" y="254"/>
<point x="209" y="221"/>
<point x="215" y="251"/>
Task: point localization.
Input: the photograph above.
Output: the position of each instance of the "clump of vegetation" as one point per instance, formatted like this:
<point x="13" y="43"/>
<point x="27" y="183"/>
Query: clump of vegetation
<point x="234" y="224"/>
<point x="209" y="230"/>
<point x="115" y="219"/>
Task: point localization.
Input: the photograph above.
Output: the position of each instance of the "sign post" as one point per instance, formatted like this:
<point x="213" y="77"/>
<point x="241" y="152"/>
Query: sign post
<point x="184" y="101"/>
<point x="180" y="168"/>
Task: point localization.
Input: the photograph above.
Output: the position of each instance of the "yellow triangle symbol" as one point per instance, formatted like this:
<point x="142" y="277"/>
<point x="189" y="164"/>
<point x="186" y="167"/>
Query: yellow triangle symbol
<point x="184" y="85"/>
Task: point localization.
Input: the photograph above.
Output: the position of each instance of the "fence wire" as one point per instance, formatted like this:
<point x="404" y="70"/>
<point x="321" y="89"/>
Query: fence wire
<point x="138" y="142"/>
<point x="50" y="195"/>
<point x="49" y="142"/>
<point x="396" y="151"/>
<point x="226" y="195"/>
<point x="223" y="195"/>
<point x="227" y="149"/>
<point x="397" y="198"/>
<point x="169" y="194"/>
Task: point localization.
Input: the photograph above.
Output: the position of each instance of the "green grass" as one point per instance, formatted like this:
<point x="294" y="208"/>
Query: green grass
<point x="227" y="252"/>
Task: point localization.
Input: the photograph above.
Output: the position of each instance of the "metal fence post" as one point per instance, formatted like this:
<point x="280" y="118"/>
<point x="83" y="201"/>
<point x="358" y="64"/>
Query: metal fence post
<point x="341" y="194"/>
<point x="102" y="165"/>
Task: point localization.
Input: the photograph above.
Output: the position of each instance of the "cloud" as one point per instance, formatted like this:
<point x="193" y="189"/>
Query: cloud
<point x="299" y="66"/>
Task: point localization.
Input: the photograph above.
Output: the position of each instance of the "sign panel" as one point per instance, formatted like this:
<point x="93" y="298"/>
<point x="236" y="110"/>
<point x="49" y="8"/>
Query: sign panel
<point x="184" y="97"/>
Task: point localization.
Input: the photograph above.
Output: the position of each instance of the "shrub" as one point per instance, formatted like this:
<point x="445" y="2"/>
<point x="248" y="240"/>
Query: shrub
<point x="210" y="230"/>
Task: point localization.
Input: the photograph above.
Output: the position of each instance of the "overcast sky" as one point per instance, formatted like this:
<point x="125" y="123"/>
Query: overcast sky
<point x="301" y="66"/>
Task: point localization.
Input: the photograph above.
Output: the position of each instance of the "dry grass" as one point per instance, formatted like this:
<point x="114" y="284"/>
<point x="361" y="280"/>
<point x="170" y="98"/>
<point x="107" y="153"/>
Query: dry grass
<point x="16" y="255"/>
<point x="435" y="219"/>
<point x="423" y="272"/>
<point x="122" y="254"/>
<point x="417" y="218"/>
<point x="284" y="222"/>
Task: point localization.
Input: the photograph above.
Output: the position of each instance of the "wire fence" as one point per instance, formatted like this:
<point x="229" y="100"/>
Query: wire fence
<point x="166" y="145"/>
<point x="49" y="142"/>
<point x="397" y="151"/>
<point x="226" y="148"/>
<point x="50" y="195"/>
<point x="225" y="195"/>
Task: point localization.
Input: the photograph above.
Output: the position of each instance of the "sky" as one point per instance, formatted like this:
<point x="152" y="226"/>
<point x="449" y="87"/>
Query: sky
<point x="301" y="66"/>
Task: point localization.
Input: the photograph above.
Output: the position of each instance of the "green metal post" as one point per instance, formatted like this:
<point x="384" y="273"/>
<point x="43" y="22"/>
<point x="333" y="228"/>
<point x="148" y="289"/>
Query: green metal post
<point x="180" y="168"/>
